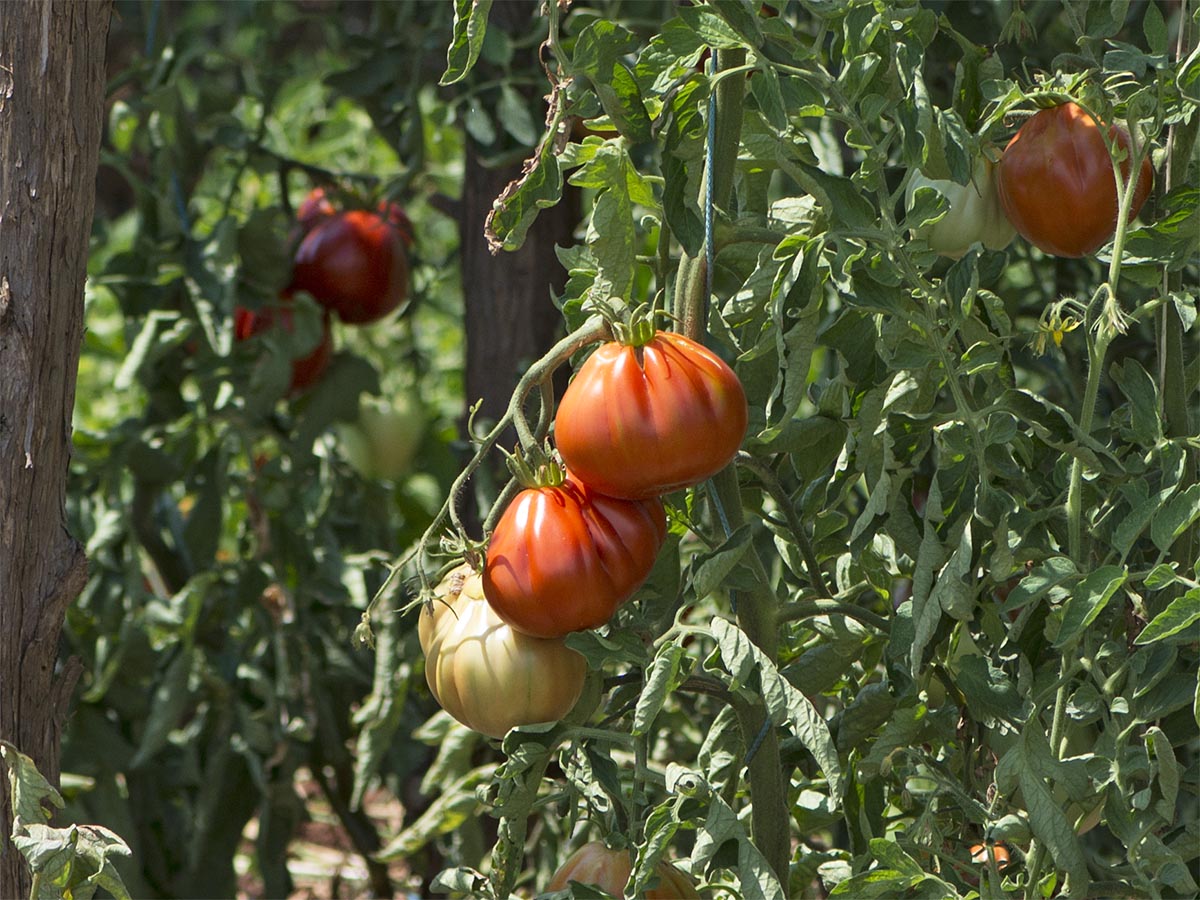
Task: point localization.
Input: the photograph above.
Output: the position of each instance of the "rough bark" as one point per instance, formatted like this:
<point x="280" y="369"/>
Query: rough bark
<point x="51" y="103"/>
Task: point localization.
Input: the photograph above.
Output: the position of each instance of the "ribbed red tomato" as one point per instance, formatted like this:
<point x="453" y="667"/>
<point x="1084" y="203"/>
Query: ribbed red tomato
<point x="637" y="422"/>
<point x="608" y="869"/>
<point x="562" y="558"/>
<point x="1056" y="181"/>
<point x="486" y="674"/>
<point x="306" y="370"/>
<point x="353" y="263"/>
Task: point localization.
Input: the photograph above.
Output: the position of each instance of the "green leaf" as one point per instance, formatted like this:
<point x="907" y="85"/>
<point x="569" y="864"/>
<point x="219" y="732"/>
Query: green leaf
<point x="1088" y="600"/>
<point x="1182" y="613"/>
<point x="1027" y="763"/>
<point x="470" y="27"/>
<point x="513" y="112"/>
<point x="170" y="700"/>
<point x="28" y="788"/>
<point x="1188" y="77"/>
<point x="1154" y="27"/>
<point x="665" y="674"/>
<point x="1138" y="386"/>
<point x="1175" y="517"/>
<point x="445" y="815"/>
<point x="711" y="27"/>
<point x="539" y="187"/>
<point x="709" y="570"/>
<point x="1158" y="745"/>
<point x="598" y="56"/>
<point x="891" y="856"/>
<point x="870" y="709"/>
<point x="990" y="694"/>
<point x="838" y="196"/>
<point x="786" y="705"/>
<point x="766" y="90"/>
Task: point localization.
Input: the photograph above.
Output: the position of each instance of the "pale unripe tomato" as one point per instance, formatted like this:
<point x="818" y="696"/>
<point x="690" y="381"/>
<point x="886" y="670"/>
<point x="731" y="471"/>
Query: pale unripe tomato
<point x="974" y="217"/>
<point x="384" y="440"/>
<point x="486" y="674"/>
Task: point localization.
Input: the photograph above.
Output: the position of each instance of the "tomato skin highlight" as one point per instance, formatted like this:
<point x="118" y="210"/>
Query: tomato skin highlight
<point x="486" y="674"/>
<point x="307" y="370"/>
<point x="354" y="264"/>
<point x="608" y="869"/>
<point x="563" y="558"/>
<point x="1056" y="182"/>
<point x="636" y="428"/>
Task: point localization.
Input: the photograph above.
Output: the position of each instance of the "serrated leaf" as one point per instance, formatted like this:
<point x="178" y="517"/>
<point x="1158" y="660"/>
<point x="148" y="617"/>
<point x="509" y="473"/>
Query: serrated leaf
<point x="1088" y="600"/>
<point x="786" y="705"/>
<point x="446" y="814"/>
<point x="540" y="186"/>
<point x="28" y="788"/>
<point x="470" y="27"/>
<point x="709" y="570"/>
<point x="1181" y="614"/>
<point x="664" y="675"/>
<point x="1050" y="826"/>
<point x="710" y="27"/>
<point x="171" y="698"/>
<point x="1175" y="517"/>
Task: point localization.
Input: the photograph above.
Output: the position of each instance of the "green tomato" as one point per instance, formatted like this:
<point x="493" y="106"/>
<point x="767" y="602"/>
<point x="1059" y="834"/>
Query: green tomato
<point x="384" y="440"/>
<point x="975" y="215"/>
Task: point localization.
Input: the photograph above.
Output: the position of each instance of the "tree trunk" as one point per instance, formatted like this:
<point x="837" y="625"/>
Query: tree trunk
<point x="510" y="318"/>
<point x="51" y="107"/>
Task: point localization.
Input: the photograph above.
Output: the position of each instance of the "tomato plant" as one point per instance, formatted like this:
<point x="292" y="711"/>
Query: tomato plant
<point x="608" y="869"/>
<point x="306" y="370"/>
<point x="1056" y="181"/>
<point x="563" y="557"/>
<point x="354" y="263"/>
<point x="973" y="216"/>
<point x="645" y="418"/>
<point x="485" y="673"/>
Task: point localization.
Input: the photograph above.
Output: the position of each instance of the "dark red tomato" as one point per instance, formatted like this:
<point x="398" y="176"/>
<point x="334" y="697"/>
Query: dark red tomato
<point x="563" y="558"/>
<point x="353" y="263"/>
<point x="640" y="422"/>
<point x="1056" y="181"/>
<point x="398" y="219"/>
<point x="307" y="370"/>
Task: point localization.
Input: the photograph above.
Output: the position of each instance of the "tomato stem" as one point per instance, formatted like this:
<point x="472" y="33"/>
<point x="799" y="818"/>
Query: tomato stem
<point x="593" y="330"/>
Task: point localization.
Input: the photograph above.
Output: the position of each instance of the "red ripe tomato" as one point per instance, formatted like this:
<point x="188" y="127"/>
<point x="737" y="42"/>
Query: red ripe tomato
<point x="306" y="370"/>
<point x="609" y="870"/>
<point x="640" y="422"/>
<point x="487" y="675"/>
<point x="354" y="263"/>
<point x="1056" y="181"/>
<point x="562" y="558"/>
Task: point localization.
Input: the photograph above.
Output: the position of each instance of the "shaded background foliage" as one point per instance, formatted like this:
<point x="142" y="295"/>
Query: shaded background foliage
<point x="910" y="451"/>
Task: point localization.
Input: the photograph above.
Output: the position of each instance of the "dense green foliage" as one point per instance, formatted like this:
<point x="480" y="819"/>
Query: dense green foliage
<point x="947" y="595"/>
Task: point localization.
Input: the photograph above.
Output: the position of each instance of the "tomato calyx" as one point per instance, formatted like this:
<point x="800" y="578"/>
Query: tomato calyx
<point x="536" y="467"/>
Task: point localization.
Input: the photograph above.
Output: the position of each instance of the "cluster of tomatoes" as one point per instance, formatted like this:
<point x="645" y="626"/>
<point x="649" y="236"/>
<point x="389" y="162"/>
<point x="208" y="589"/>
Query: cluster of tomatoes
<point x="643" y="416"/>
<point x="1054" y="185"/>
<point x="354" y="263"/>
